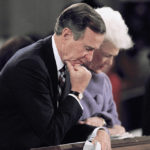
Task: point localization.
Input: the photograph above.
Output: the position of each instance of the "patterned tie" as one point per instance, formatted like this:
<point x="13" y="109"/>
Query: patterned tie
<point x="61" y="79"/>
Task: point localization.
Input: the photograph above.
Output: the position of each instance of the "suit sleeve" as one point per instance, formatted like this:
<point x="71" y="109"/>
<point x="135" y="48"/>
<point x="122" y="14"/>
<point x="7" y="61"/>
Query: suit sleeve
<point x="78" y="133"/>
<point x="30" y="86"/>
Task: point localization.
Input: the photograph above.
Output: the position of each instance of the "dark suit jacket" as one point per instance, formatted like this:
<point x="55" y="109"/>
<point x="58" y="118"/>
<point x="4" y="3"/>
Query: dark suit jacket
<point x="28" y="95"/>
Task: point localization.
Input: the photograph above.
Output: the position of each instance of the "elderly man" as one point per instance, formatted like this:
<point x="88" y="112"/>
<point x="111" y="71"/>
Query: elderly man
<point x="39" y="102"/>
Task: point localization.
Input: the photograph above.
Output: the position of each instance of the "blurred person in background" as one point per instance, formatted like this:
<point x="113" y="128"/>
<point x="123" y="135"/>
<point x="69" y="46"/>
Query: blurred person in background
<point x="98" y="102"/>
<point x="11" y="46"/>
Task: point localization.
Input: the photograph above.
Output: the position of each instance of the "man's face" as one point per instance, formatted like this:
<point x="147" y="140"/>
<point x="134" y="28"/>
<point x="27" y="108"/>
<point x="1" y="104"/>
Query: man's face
<point x="103" y="58"/>
<point x="81" y="51"/>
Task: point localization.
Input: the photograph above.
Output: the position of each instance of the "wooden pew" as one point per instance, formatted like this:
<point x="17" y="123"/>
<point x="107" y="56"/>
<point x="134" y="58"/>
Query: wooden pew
<point x="137" y="143"/>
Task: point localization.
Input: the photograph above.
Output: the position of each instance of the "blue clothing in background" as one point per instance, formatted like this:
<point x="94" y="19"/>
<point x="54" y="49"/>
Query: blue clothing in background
<point x="98" y="100"/>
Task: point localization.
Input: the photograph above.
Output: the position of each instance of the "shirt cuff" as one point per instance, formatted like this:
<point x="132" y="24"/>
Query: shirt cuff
<point x="76" y="99"/>
<point x="94" y="133"/>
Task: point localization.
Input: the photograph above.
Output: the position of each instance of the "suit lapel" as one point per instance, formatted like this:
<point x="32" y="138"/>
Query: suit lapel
<point x="51" y="66"/>
<point x="52" y="69"/>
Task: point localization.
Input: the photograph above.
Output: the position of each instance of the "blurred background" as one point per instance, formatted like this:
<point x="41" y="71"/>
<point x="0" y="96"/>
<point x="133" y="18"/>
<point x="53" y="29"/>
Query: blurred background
<point x="131" y="70"/>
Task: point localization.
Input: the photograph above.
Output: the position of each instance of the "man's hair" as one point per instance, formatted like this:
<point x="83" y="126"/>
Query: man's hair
<point x="77" y="18"/>
<point x="116" y="29"/>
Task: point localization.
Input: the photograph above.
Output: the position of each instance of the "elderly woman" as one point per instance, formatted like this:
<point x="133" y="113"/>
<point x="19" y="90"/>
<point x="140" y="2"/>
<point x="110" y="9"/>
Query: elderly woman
<point x="98" y="103"/>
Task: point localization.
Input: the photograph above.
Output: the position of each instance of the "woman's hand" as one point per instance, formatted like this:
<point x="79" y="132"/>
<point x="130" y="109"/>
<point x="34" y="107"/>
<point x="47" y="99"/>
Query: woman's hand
<point x="94" y="121"/>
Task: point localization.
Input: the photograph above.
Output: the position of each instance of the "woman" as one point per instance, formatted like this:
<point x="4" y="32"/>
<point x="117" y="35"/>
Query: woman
<point x="99" y="106"/>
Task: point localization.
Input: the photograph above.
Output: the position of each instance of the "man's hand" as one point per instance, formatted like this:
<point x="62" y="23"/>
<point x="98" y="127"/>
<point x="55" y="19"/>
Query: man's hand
<point x="104" y="139"/>
<point x="93" y="121"/>
<point x="79" y="77"/>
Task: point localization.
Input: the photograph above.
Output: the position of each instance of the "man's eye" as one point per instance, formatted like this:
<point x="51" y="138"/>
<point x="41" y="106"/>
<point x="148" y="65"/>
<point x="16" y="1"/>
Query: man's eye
<point x="89" y="48"/>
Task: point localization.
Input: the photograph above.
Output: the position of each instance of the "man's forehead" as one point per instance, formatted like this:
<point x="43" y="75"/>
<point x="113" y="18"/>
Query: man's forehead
<point x="93" y="39"/>
<point x="93" y="45"/>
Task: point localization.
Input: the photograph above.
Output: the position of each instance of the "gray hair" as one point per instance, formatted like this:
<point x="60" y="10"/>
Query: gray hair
<point x="116" y="29"/>
<point x="77" y="18"/>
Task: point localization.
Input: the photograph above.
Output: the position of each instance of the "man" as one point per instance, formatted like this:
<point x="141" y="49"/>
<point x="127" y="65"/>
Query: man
<point x="35" y="110"/>
<point x="98" y="102"/>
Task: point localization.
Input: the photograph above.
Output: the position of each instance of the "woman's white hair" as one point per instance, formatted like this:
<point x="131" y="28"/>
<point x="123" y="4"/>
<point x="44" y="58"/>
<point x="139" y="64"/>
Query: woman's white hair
<point x="116" y="29"/>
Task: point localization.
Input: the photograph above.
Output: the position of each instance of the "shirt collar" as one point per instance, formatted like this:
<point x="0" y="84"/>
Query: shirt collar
<point x="59" y="62"/>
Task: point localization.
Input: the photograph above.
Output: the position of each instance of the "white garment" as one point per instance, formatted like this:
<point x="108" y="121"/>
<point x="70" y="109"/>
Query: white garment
<point x="89" y="146"/>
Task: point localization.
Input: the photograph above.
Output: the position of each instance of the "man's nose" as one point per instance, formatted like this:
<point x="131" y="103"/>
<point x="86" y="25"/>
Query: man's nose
<point x="89" y="56"/>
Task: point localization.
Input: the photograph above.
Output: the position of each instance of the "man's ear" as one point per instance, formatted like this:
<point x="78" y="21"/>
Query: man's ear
<point x="67" y="34"/>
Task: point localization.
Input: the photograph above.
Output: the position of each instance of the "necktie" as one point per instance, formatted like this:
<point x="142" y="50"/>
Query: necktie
<point x="61" y="80"/>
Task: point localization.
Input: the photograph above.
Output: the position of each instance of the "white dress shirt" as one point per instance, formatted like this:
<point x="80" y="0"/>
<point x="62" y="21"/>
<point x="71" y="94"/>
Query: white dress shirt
<point x="60" y="64"/>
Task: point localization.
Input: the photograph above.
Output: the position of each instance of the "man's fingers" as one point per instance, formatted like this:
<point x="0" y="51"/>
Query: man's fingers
<point x="72" y="67"/>
<point x="69" y="65"/>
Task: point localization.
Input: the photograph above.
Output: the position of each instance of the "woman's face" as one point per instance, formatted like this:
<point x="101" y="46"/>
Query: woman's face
<point x="103" y="57"/>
